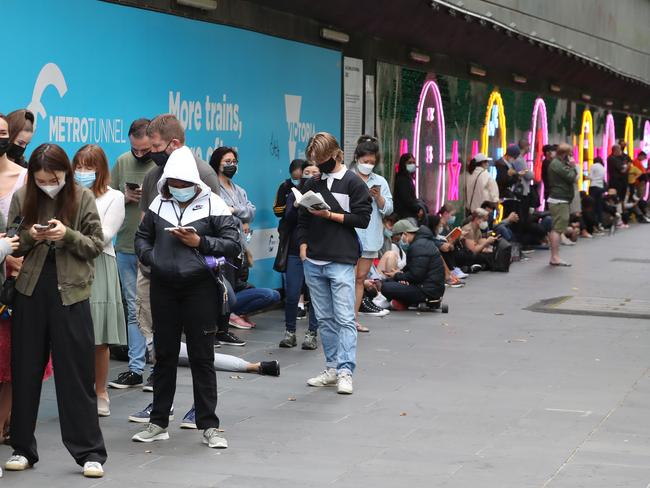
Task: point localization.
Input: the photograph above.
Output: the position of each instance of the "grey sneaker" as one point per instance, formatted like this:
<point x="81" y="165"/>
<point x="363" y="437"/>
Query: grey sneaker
<point x="311" y="341"/>
<point x="326" y="378"/>
<point x="213" y="438"/>
<point x="151" y="433"/>
<point x="93" y="469"/>
<point x="344" y="384"/>
<point x="289" y="340"/>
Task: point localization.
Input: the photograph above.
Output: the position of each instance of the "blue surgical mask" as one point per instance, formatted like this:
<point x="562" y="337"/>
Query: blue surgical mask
<point x="85" y="179"/>
<point x="249" y="236"/>
<point x="183" y="194"/>
<point x="295" y="181"/>
<point x="388" y="233"/>
<point x="404" y="245"/>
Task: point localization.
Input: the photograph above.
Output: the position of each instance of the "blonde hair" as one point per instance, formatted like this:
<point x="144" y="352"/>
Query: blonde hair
<point x="323" y="145"/>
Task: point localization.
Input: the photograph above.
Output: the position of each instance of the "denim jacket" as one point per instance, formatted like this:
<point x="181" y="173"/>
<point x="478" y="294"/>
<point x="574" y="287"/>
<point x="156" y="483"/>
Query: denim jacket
<point x="372" y="238"/>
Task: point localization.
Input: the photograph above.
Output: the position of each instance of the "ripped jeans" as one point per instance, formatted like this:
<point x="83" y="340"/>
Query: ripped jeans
<point x="193" y="310"/>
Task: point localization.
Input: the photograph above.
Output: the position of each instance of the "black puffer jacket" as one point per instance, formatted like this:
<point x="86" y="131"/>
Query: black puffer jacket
<point x="424" y="266"/>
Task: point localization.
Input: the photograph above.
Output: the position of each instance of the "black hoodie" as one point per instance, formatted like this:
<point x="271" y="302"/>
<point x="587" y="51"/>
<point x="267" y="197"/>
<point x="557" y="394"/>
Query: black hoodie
<point x="424" y="266"/>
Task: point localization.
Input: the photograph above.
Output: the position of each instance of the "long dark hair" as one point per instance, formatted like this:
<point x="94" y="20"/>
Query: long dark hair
<point x="50" y="158"/>
<point x="401" y="166"/>
<point x="367" y="146"/>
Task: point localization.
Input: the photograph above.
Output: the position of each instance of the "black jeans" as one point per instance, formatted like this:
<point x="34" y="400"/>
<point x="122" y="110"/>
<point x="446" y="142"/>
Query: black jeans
<point x="407" y="294"/>
<point x="41" y="323"/>
<point x="191" y="309"/>
<point x="596" y="193"/>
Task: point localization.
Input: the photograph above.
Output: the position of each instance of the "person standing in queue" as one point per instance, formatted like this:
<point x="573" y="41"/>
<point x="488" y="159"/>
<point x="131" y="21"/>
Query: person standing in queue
<point x="60" y="239"/>
<point x="330" y="249"/>
<point x="185" y="225"/>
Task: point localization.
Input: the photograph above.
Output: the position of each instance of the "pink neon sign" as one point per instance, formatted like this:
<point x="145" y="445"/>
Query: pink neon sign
<point x="454" y="171"/>
<point x="609" y="139"/>
<point x="437" y="109"/>
<point x="534" y="157"/>
<point x="474" y="147"/>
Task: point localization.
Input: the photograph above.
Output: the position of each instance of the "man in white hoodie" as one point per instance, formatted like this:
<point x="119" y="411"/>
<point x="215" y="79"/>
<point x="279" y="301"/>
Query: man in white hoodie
<point x="185" y="229"/>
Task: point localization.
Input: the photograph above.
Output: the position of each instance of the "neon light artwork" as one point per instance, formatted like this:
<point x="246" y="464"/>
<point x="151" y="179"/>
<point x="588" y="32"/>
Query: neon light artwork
<point x="403" y="146"/>
<point x="609" y="139"/>
<point x="475" y="146"/>
<point x="454" y="172"/>
<point x="495" y="121"/>
<point x="538" y="138"/>
<point x="645" y="147"/>
<point x="586" y="144"/>
<point x="629" y="136"/>
<point x="429" y="132"/>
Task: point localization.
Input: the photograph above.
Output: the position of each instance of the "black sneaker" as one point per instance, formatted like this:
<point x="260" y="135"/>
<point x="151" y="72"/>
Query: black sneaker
<point x="302" y="313"/>
<point x="148" y="386"/>
<point x="228" y="339"/>
<point x="269" y="368"/>
<point x="369" y="308"/>
<point x="128" y="379"/>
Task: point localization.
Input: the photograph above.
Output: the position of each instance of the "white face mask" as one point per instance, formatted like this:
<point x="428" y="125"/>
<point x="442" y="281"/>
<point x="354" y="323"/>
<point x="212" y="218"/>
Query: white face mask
<point x="52" y="190"/>
<point x="410" y="168"/>
<point x="365" y="169"/>
<point x="483" y="225"/>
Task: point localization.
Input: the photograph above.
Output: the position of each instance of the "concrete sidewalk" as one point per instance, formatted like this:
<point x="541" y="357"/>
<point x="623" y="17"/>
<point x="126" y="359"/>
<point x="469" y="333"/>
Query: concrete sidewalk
<point x="490" y="395"/>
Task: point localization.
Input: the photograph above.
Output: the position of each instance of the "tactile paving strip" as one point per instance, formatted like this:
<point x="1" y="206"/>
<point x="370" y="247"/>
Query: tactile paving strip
<point x="631" y="260"/>
<point x="601" y="306"/>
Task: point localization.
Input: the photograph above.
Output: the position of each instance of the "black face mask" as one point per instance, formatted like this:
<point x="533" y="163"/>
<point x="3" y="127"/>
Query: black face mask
<point x="328" y="166"/>
<point x="229" y="171"/>
<point x="15" y="152"/>
<point x="144" y="158"/>
<point x="4" y="145"/>
<point x="160" y="157"/>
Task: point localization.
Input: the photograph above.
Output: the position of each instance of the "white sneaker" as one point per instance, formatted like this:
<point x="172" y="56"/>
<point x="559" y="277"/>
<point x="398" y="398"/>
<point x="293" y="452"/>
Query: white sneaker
<point x="565" y="241"/>
<point x="17" y="463"/>
<point x="344" y="384"/>
<point x="457" y="272"/>
<point x="93" y="469"/>
<point x="326" y="378"/>
<point x="103" y="407"/>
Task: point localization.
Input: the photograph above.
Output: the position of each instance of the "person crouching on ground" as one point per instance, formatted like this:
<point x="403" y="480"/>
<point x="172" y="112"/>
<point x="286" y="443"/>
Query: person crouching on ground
<point x="185" y="224"/>
<point x="423" y="278"/>
<point x="329" y="249"/>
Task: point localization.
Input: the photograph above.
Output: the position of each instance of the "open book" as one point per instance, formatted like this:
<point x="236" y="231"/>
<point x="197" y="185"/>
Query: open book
<point x="310" y="200"/>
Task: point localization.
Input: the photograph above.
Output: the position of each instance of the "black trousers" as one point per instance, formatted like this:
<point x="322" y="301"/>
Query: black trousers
<point x="41" y="323"/>
<point x="408" y="294"/>
<point x="193" y="310"/>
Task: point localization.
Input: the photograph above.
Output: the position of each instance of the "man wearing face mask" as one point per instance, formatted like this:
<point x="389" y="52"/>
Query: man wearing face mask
<point x="423" y="278"/>
<point x="280" y="203"/>
<point x="127" y="176"/>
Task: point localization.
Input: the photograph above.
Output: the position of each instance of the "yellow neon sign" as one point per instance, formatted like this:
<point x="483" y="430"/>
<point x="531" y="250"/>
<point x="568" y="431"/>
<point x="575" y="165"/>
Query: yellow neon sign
<point x="588" y="128"/>
<point x="629" y="136"/>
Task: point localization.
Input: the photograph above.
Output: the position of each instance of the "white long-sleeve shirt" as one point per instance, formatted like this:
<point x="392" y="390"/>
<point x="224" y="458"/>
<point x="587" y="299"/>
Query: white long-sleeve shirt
<point x="110" y="207"/>
<point x="597" y="175"/>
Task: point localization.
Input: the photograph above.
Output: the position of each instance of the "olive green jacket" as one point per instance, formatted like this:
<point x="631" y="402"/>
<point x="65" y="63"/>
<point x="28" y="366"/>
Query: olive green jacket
<point x="75" y="253"/>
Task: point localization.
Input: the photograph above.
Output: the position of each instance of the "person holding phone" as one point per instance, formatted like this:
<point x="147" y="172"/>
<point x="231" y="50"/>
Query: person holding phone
<point x="366" y="159"/>
<point x="51" y="311"/>
<point x="127" y="176"/>
<point x="185" y="224"/>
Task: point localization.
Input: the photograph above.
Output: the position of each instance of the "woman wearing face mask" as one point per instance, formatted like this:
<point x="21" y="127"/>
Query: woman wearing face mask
<point x="406" y="204"/>
<point x="367" y="157"/>
<point x="480" y="187"/>
<point x="476" y="251"/>
<point x="284" y="190"/>
<point x="295" y="276"/>
<point x="224" y="161"/>
<point x="21" y="131"/>
<point x="91" y="171"/>
<point x="60" y="239"/>
<point x="185" y="227"/>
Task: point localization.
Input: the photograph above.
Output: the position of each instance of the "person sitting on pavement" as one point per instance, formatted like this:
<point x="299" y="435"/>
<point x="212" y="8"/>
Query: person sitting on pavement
<point x="477" y="249"/>
<point x="423" y="278"/>
<point x="447" y="247"/>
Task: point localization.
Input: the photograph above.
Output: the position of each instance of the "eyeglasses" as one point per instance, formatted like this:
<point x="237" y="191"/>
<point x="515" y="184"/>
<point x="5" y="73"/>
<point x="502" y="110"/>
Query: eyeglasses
<point x="229" y="161"/>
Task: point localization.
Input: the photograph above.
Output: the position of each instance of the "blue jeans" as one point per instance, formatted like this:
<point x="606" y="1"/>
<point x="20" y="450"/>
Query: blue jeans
<point x="253" y="299"/>
<point x="293" y="282"/>
<point x="127" y="266"/>
<point x="504" y="231"/>
<point x="333" y="297"/>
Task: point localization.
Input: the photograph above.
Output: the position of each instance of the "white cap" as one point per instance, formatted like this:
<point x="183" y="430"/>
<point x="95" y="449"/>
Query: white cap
<point x="480" y="158"/>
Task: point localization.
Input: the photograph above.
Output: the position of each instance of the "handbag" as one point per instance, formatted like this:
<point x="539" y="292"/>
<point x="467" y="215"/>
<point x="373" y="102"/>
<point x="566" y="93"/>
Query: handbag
<point x="281" y="258"/>
<point x="8" y="292"/>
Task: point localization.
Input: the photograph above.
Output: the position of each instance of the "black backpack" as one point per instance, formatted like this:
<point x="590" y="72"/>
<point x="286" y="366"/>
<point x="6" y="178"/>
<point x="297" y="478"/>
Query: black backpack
<point x="502" y="256"/>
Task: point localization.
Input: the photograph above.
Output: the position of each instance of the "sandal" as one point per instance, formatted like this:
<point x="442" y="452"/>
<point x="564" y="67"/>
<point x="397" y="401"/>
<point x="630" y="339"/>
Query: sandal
<point x="561" y="264"/>
<point x="361" y="328"/>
